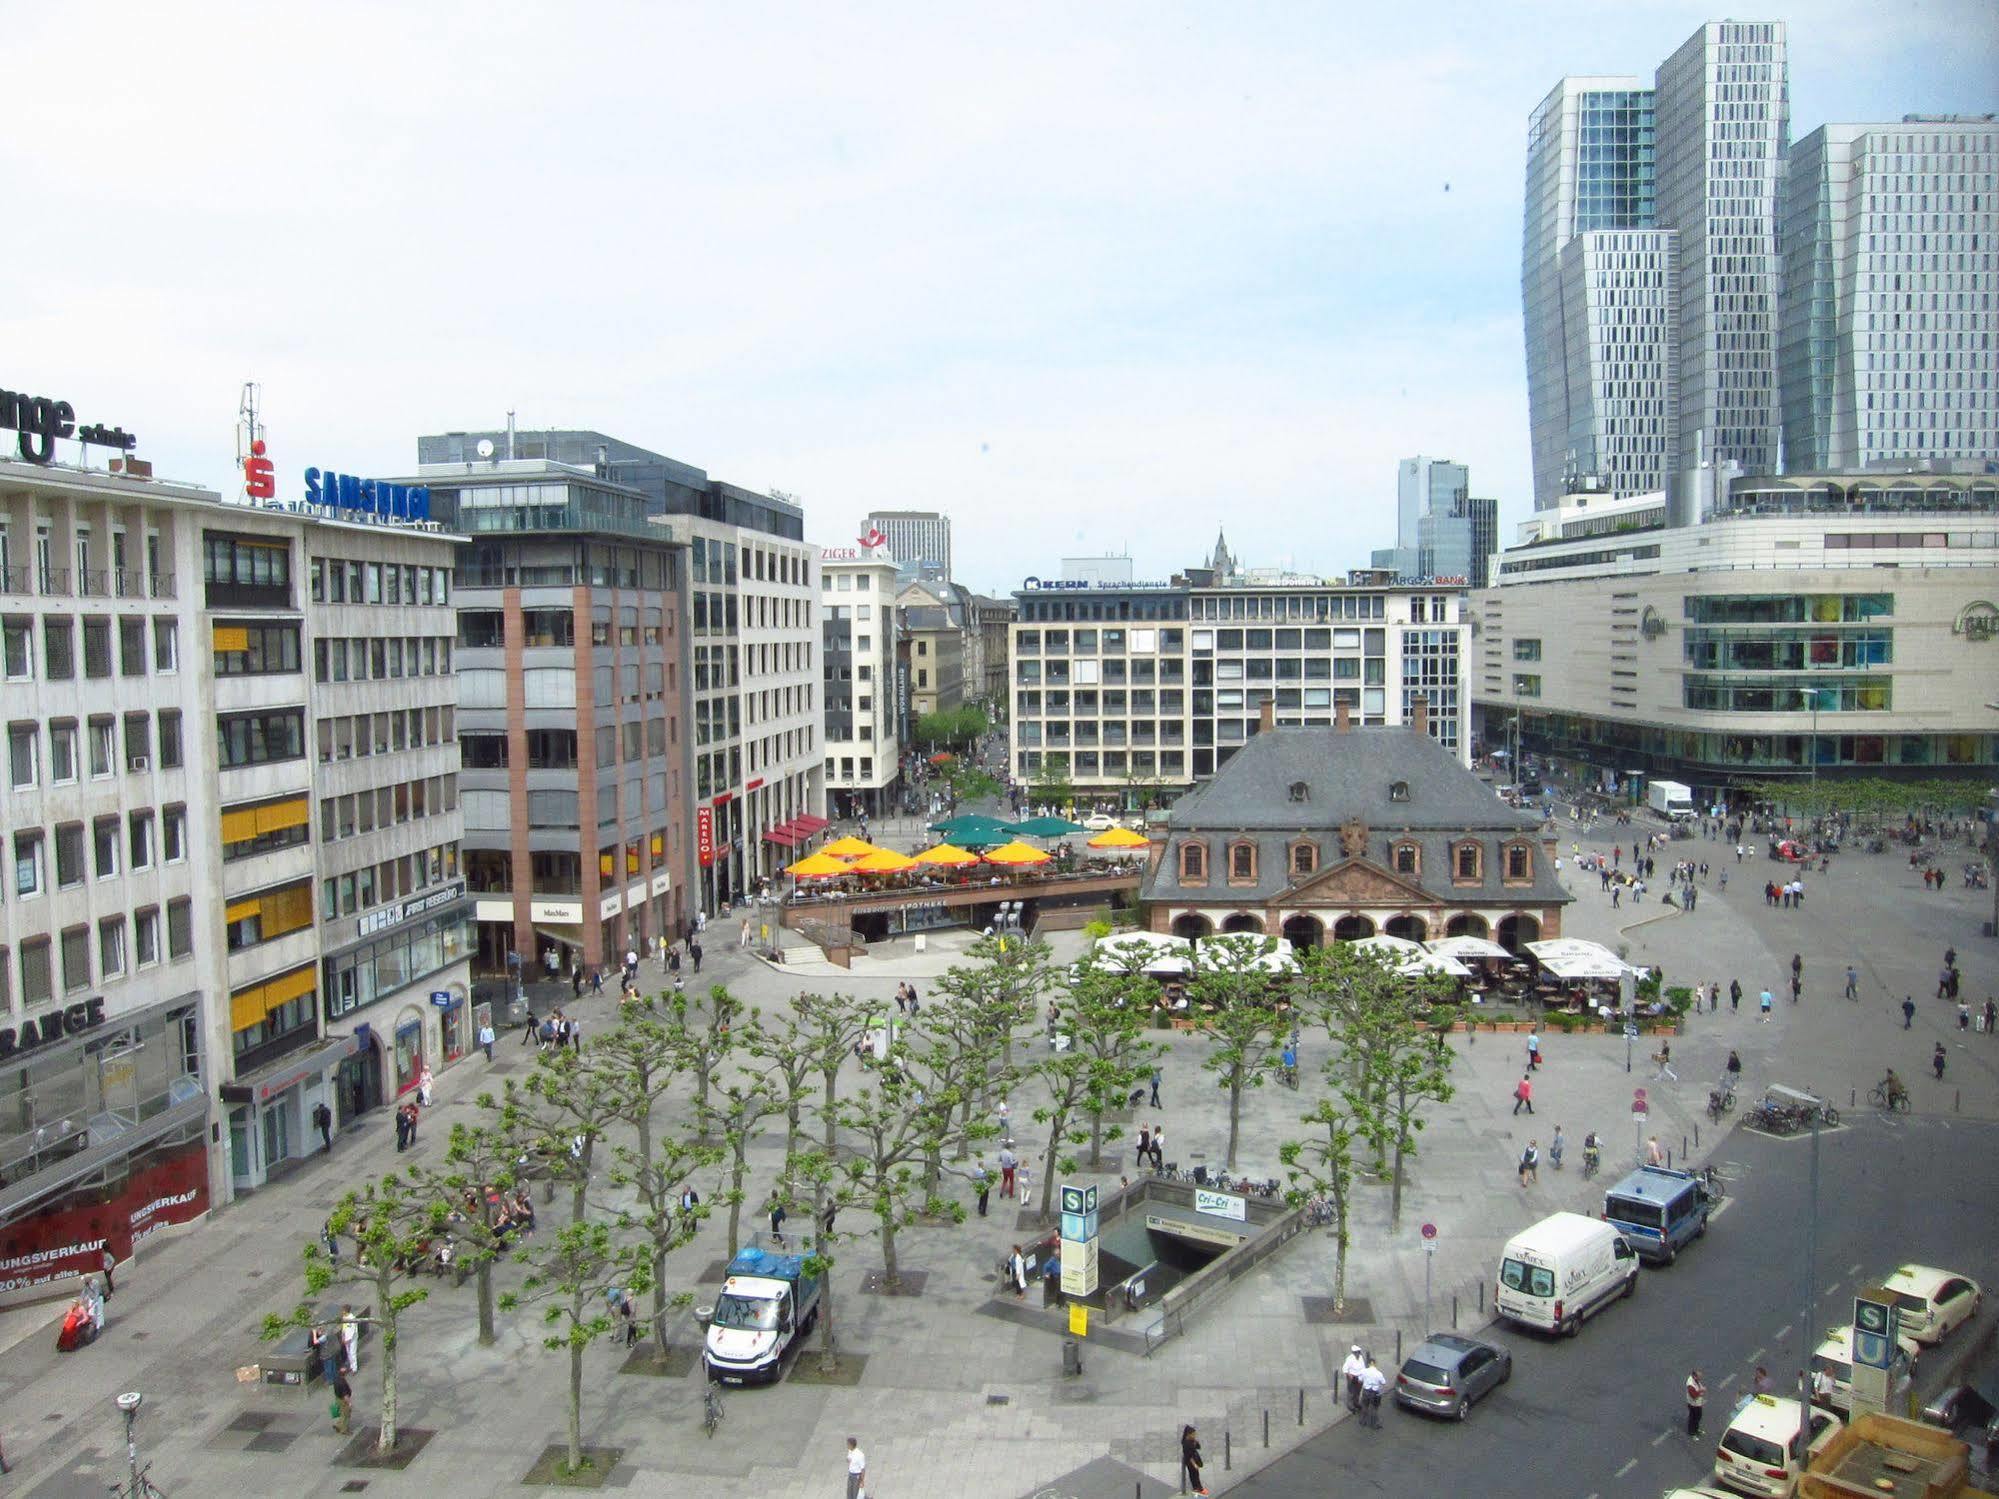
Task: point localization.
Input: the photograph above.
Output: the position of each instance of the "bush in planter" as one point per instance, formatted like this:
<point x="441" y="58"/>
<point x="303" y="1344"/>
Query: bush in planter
<point x="1680" y="998"/>
<point x="1648" y="986"/>
<point x="1096" y="931"/>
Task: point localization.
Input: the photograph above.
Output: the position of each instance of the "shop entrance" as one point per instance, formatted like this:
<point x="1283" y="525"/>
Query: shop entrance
<point x="359" y="1086"/>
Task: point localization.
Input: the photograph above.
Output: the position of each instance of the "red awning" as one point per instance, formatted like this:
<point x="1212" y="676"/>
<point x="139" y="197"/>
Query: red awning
<point x="783" y="837"/>
<point x="806" y="823"/>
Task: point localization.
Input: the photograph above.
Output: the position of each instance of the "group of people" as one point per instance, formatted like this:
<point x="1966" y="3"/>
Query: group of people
<point x="1789" y="894"/>
<point x="552" y="1032"/>
<point x="85" y="1318"/>
<point x="1363" y="1383"/>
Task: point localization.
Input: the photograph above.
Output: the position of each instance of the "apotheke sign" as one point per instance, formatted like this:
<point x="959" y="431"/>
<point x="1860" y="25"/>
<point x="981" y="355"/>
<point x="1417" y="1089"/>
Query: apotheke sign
<point x="40" y="421"/>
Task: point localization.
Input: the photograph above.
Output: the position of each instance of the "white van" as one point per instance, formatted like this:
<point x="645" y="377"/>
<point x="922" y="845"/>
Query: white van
<point x="1835" y="1357"/>
<point x="1561" y="1270"/>
<point x="1763" y="1453"/>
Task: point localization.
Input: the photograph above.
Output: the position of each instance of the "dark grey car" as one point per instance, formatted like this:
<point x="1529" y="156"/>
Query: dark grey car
<point x="1447" y="1372"/>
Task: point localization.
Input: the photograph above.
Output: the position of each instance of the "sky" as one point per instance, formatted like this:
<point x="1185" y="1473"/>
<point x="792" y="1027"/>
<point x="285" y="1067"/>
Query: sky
<point x="1088" y="279"/>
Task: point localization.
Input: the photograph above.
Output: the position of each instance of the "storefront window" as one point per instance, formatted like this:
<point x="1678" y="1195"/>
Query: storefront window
<point x="409" y="1050"/>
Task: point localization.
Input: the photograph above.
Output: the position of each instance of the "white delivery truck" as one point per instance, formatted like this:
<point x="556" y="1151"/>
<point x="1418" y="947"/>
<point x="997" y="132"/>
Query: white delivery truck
<point x="1670" y="798"/>
<point x="768" y="1303"/>
<point x="1562" y="1270"/>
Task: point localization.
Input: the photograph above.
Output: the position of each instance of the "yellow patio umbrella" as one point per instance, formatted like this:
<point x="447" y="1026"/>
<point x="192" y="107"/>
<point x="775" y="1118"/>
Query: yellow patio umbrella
<point x="818" y="867"/>
<point x="1017" y="853"/>
<point x="849" y="847"/>
<point x="946" y="853"/>
<point x="883" y="861"/>
<point x="1118" y="838"/>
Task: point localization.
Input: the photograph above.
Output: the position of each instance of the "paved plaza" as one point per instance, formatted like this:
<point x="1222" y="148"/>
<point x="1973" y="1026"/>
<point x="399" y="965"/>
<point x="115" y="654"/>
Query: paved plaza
<point x="955" y="1399"/>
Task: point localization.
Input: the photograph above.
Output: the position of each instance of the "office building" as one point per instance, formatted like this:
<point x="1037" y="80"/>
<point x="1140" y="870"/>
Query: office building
<point x="1649" y="267"/>
<point x="1104" y="569"/>
<point x="1888" y="321"/>
<point x="859" y="639"/>
<point x="919" y="537"/>
<point x="1338" y="834"/>
<point x="934" y="627"/>
<point x="987" y="634"/>
<point x="1442" y="531"/>
<point x="570" y="713"/>
<point x="1750" y="628"/>
<point x="749" y="644"/>
<point x="1133" y="693"/>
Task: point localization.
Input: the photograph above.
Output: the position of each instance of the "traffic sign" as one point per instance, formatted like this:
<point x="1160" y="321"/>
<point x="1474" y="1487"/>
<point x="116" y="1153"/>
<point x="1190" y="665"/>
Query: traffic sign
<point x="1639" y="1116"/>
<point x="1429" y="1230"/>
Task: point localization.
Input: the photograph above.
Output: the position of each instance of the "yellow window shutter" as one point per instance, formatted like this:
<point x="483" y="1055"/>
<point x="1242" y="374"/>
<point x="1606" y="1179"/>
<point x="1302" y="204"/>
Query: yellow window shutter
<point x="246" y="1008"/>
<point x="287" y="987"/>
<point x="231" y="638"/>
<point x="242" y="910"/>
<point x="278" y="816"/>
<point x="239" y="826"/>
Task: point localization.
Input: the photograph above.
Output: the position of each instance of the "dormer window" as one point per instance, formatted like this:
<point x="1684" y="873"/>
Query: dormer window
<point x="1408" y="858"/>
<point x="1398" y="791"/>
<point x="1466" y="867"/>
<point x="1242" y="862"/>
<point x="1519" y="864"/>
<point x="1300" y="791"/>
<point x="1193" y="863"/>
<point x="1304" y="857"/>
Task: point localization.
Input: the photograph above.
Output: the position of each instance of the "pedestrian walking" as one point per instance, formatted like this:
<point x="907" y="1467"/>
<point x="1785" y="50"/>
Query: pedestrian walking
<point x="1190" y="1463"/>
<point x="1991" y="1016"/>
<point x="777" y="1217"/>
<point x="1555" y="1148"/>
<point x="1025" y="1174"/>
<point x="350" y="1338"/>
<point x="1734" y="995"/>
<point x="982" y="1183"/>
<point x="423" y="1086"/>
<point x="1158" y="1147"/>
<point x="1533" y="1050"/>
<point x="1523" y="1094"/>
<point x="1654" y="1156"/>
<point x="1144" y="1144"/>
<point x="1156" y="1078"/>
<point x="343" y="1402"/>
<point x="1009" y="1163"/>
<point x="1762" y="1384"/>
<point x="109" y="1263"/>
<point x="486" y="1039"/>
<point x="1852" y="982"/>
<point x="1963" y="1015"/>
<point x="857" y="1469"/>
<point x="1908" y="1011"/>
<point x="1372" y="1383"/>
<point x="402" y="1129"/>
<point x="1352" y="1369"/>
<point x="1016" y="1271"/>
<point x="1696" y="1402"/>
<point x="673" y="960"/>
<point x="1530" y="1164"/>
<point x="1763" y="1006"/>
<point x="1937" y="1060"/>
<point x="694" y="952"/>
<point x="322" y="1120"/>
<point x="743" y="937"/>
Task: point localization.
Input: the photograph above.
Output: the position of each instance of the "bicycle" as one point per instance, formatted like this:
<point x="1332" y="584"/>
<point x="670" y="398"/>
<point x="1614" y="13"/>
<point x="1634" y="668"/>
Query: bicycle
<point x="711" y="1408"/>
<point x="1712" y="1183"/>
<point x="1720" y="1100"/>
<point x="1592" y="1161"/>
<point x="1898" y="1103"/>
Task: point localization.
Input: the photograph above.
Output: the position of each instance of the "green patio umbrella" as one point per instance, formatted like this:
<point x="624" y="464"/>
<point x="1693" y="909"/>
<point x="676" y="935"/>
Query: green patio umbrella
<point x="974" y="831"/>
<point x="1047" y="827"/>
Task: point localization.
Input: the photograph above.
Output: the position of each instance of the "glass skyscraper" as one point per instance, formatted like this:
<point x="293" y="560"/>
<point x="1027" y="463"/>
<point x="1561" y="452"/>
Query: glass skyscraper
<point x="1648" y="267"/>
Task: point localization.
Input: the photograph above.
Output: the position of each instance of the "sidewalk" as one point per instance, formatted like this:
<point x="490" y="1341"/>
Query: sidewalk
<point x="928" y="1407"/>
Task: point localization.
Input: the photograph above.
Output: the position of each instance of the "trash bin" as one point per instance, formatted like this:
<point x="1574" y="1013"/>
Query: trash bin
<point x="704" y="1315"/>
<point x="1072" y="1357"/>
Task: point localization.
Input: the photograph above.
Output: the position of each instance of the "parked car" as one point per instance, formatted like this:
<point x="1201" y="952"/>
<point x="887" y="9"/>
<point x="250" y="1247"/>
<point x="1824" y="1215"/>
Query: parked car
<point x="1763" y="1452"/>
<point x="1446" y="1372"/>
<point x="1100" y="822"/>
<point x="1932" y="1302"/>
<point x="1969" y="1412"/>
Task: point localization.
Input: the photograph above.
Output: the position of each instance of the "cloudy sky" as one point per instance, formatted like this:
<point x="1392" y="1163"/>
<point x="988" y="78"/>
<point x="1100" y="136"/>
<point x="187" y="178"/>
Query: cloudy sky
<point x="1089" y="278"/>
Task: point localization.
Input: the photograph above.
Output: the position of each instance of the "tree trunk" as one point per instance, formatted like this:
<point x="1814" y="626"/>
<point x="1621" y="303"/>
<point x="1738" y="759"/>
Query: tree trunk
<point x="575" y="1390"/>
<point x="891" y="1275"/>
<point x="659" y="1298"/>
<point x="737" y="1167"/>
<point x="791" y="1117"/>
<point x="487" y="1333"/>
<point x="829" y="1353"/>
<point x="832" y="1076"/>
<point x="1395" y="1187"/>
<point x="385" y="1442"/>
<point x="964" y="1149"/>
<point x="1235" y="1111"/>
<point x="1096" y="1142"/>
<point x="1340" y="1253"/>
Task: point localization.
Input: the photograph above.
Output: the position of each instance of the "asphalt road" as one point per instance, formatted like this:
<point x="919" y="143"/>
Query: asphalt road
<point x="1602" y="1416"/>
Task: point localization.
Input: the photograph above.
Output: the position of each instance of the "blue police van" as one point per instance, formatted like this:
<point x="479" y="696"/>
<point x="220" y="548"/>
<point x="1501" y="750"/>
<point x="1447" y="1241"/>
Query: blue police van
<point x="1658" y="1211"/>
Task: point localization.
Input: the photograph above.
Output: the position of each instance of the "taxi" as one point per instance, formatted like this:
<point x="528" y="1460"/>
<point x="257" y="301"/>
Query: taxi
<point x="1762" y="1451"/>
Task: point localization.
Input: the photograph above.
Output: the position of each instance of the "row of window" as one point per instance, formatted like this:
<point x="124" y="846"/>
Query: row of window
<point x="1762" y="695"/>
<point x="336" y="581"/>
<point x="394" y="879"/>
<point x="351" y="737"/>
<point x="1787" y="608"/>
<point x="259" y="737"/>
<point x="17" y="647"/>
<point x="111" y="845"/>
<point x="361" y="812"/>
<point x="254" y="648"/>
<point x="1405" y="857"/>
<point x="81" y="969"/>
<point x="379" y="660"/>
<point x="245" y="561"/>
<point x="252" y="920"/>
<point x="401" y="958"/>
<point x="92" y="748"/>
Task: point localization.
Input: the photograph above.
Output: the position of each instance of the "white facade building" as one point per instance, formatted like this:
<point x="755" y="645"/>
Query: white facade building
<point x="858" y="636"/>
<point x="1890" y="335"/>
<point x="919" y="538"/>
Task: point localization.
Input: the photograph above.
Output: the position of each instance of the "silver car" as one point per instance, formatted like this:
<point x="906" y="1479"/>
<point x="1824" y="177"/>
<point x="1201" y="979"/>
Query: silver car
<point x="1447" y="1372"/>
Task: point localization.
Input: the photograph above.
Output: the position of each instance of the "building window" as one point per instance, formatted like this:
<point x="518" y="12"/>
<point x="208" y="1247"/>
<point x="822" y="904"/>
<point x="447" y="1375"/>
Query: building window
<point x="20" y="651"/>
<point x="146" y="935"/>
<point x="170" y="747"/>
<point x="264" y="918"/>
<point x="1242" y="862"/>
<point x="1300" y="792"/>
<point x="1526" y="650"/>
<point x="1467" y="864"/>
<point x="1398" y="791"/>
<point x="29" y="876"/>
<point x="259" y="738"/>
<point x="62" y="750"/>
<point x="1408" y="859"/>
<point x="1526" y="685"/>
<point x="58" y="650"/>
<point x="75" y="959"/>
<point x="37" y="978"/>
<point x="141" y="854"/>
<point x="23" y="756"/>
<point x="69" y="855"/>
<point x="111" y="946"/>
<point x="1304" y="858"/>
<point x="104" y="847"/>
<point x="166" y="645"/>
<point x="1519" y="863"/>
<point x="255" y="649"/>
<point x="173" y="829"/>
<point x="180" y="928"/>
<point x="1193" y="863"/>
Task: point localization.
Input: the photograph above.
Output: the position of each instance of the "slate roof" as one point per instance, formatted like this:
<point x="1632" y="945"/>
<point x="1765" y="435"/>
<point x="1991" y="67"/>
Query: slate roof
<point x="1348" y="776"/>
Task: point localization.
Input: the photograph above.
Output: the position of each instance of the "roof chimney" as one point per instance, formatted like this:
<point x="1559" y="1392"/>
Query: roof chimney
<point x="1268" y="713"/>
<point x="1342" y="717"/>
<point x="1419" y="714"/>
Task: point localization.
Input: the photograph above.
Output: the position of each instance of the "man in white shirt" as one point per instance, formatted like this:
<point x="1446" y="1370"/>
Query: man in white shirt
<point x="1350" y="1373"/>
<point x="857" y="1469"/>
<point x="1372" y="1383"/>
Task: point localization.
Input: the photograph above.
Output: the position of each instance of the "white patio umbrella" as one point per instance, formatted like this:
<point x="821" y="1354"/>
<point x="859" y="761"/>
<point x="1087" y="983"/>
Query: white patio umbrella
<point x="1145" y="952"/>
<point x="1410" y="957"/>
<point x="1464" y="948"/>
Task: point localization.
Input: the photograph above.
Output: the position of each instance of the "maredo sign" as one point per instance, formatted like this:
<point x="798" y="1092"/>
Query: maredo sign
<point x="704" y="835"/>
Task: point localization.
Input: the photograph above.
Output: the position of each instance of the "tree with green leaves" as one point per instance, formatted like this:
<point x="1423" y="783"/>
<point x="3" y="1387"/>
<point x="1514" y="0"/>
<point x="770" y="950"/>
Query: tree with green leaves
<point x="1235" y="1004"/>
<point x="1050" y="785"/>
<point x="480" y="1162"/>
<point x="384" y="1233"/>
<point x="790" y="1046"/>
<point x="1408" y="1068"/>
<point x="831" y="1026"/>
<point x="569" y="1274"/>
<point x="635" y="1065"/>
<point x="995" y="992"/>
<point x="556" y="1117"/>
<point x="1322" y="1163"/>
<point x="703" y="1032"/>
<point x="1108" y="1015"/>
<point x="744" y="1103"/>
<point x="834" y="1185"/>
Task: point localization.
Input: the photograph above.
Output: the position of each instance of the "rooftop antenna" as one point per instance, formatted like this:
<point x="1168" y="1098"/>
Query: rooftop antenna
<point x="253" y="468"/>
<point x="510" y="437"/>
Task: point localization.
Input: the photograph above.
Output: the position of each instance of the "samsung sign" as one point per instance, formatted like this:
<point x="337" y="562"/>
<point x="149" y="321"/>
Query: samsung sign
<point x="367" y="496"/>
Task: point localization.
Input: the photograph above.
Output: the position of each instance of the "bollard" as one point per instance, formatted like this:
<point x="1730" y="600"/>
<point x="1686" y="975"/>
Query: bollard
<point x="1398" y="1347"/>
<point x="1684" y="1152"/>
<point x="1266" y="1426"/>
<point x="1481" y="1298"/>
<point x="1957" y="1101"/>
<point x="1853" y="1098"/>
<point x="1228" y="1449"/>
<point x="1454" y="1311"/>
<point x="1301" y="1405"/>
<point x="1697" y="1134"/>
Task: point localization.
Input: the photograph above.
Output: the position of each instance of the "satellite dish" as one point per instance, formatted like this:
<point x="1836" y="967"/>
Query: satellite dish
<point x="485" y="447"/>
